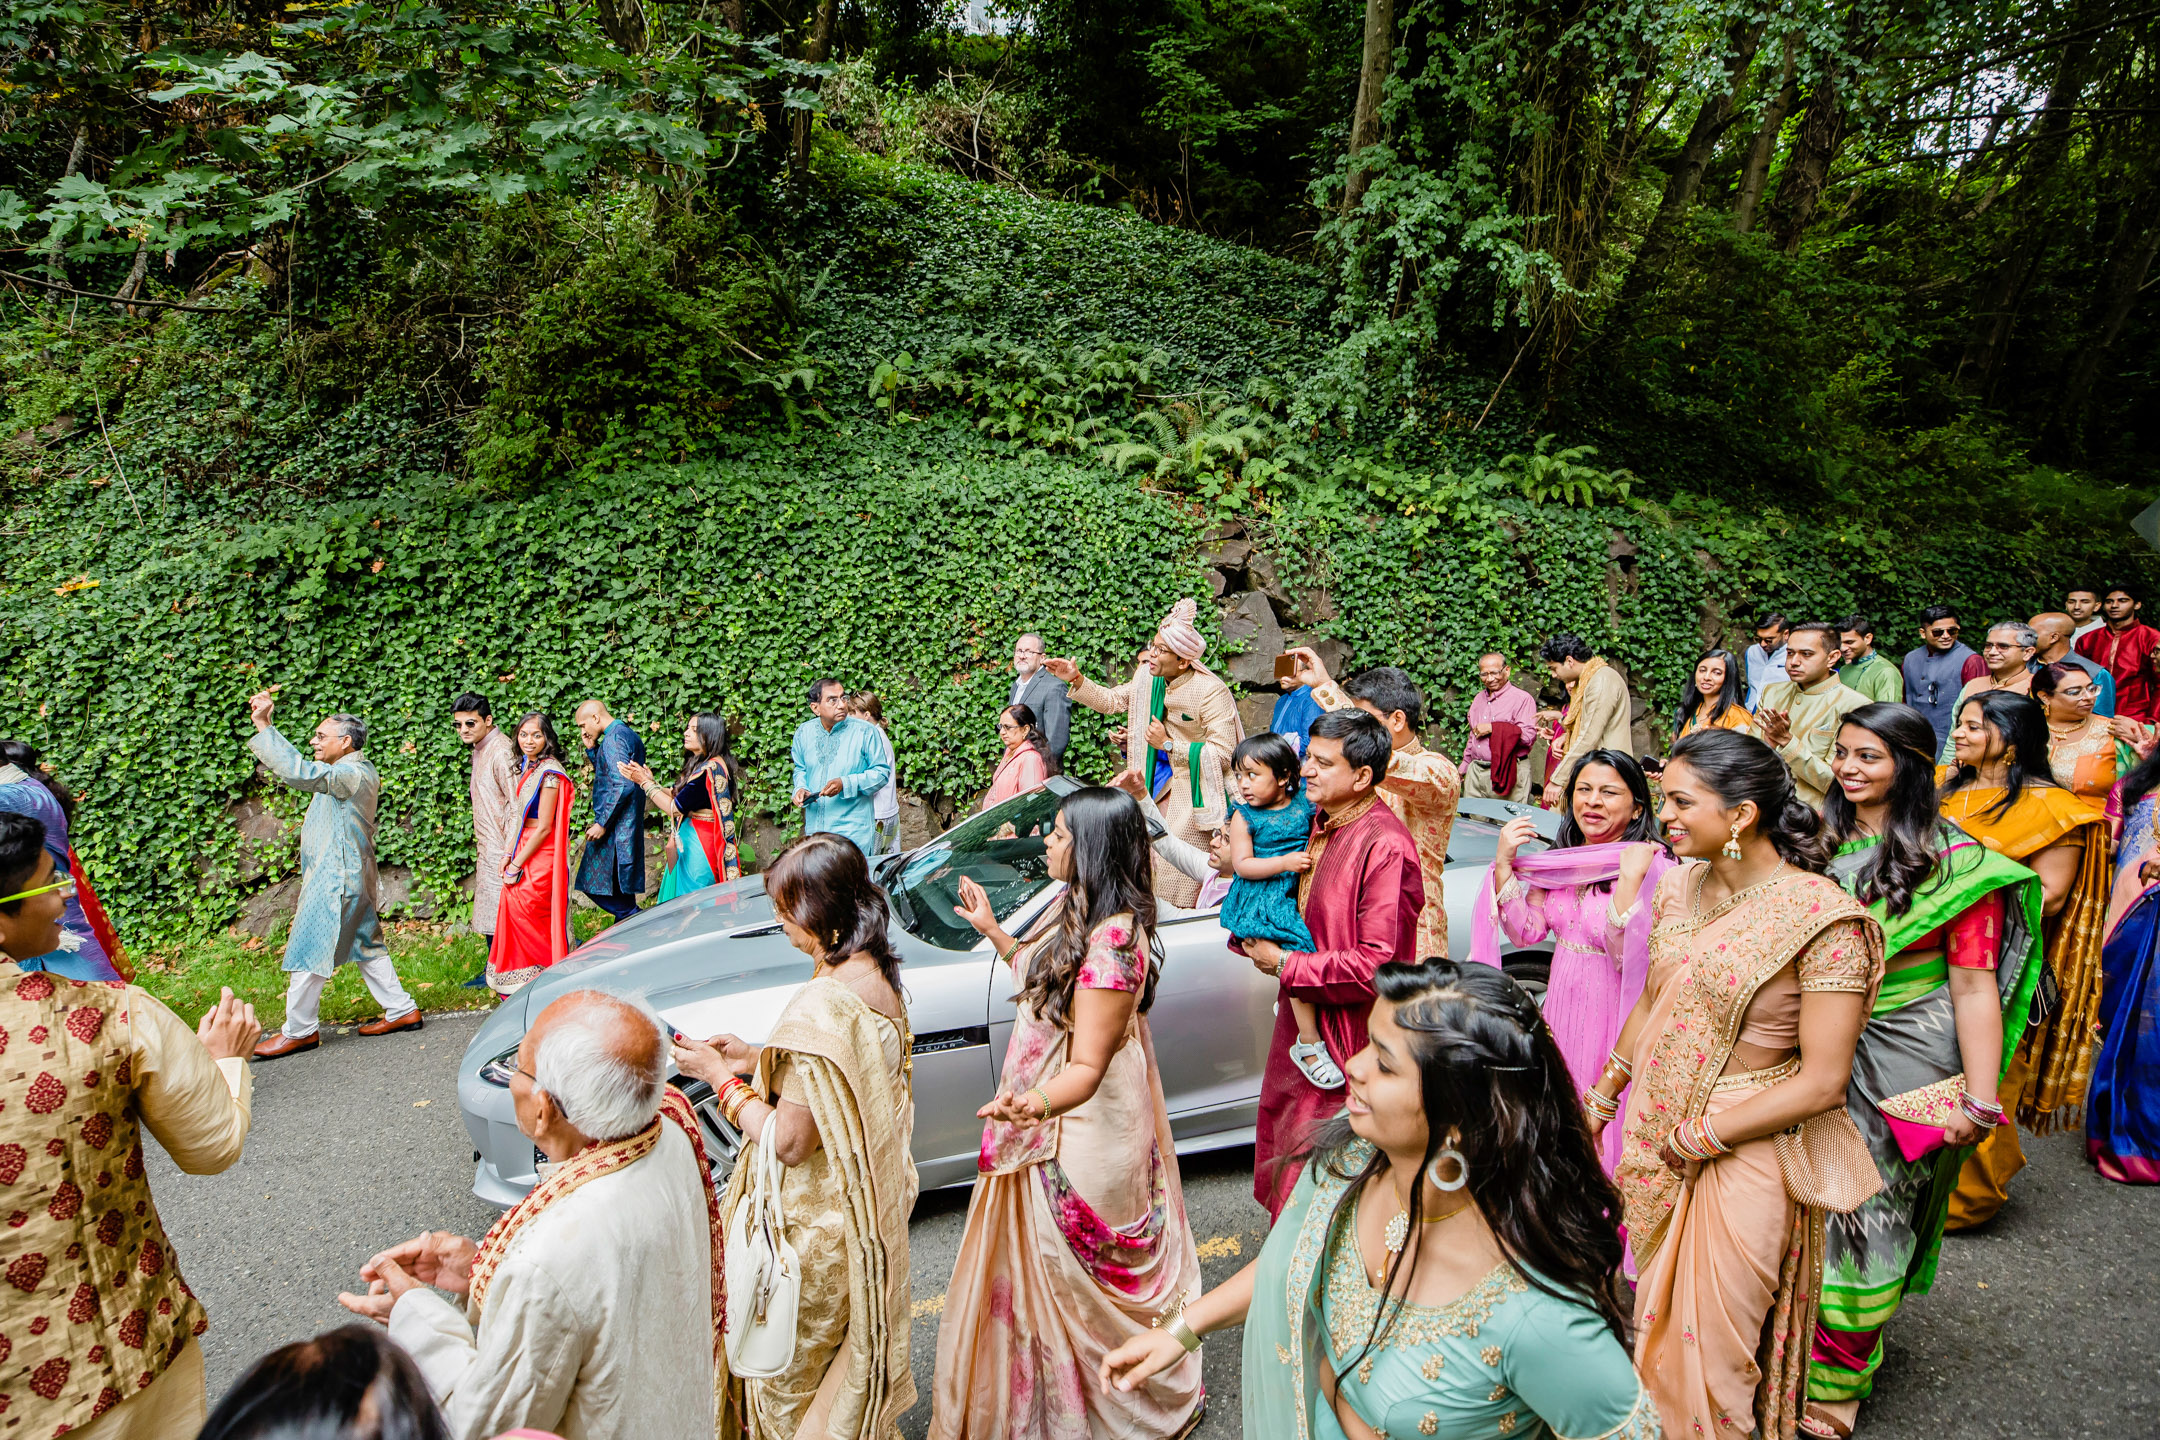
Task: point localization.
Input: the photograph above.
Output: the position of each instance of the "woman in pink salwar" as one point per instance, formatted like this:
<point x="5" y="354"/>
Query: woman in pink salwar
<point x="1588" y="894"/>
<point x="1076" y="1238"/>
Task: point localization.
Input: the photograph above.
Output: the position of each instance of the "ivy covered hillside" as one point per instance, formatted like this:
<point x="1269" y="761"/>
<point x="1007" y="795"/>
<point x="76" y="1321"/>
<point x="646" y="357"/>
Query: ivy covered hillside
<point x="646" y="354"/>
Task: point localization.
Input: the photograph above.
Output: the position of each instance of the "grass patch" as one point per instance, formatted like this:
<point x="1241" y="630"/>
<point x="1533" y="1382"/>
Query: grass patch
<point x="433" y="963"/>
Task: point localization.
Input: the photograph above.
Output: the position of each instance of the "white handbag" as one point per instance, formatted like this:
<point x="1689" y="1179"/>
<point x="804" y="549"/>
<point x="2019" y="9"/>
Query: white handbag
<point x="764" y="1281"/>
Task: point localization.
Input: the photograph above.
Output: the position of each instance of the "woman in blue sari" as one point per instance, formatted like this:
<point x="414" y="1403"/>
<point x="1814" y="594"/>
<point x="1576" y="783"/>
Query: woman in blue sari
<point x="1448" y="1264"/>
<point x="703" y="851"/>
<point x="2122" y="1109"/>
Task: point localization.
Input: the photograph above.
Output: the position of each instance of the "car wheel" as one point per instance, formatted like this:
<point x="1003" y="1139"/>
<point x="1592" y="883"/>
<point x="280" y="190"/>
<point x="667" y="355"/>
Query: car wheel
<point x="1530" y="971"/>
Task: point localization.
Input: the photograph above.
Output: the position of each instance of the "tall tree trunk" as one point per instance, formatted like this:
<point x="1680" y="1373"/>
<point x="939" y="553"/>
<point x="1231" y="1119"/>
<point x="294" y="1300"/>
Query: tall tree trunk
<point x="1755" y="173"/>
<point x="1372" y="80"/>
<point x="1715" y="116"/>
<point x="1822" y="131"/>
<point x="816" y="51"/>
<point x="53" y="265"/>
<point x="1984" y="356"/>
<point x="2137" y="241"/>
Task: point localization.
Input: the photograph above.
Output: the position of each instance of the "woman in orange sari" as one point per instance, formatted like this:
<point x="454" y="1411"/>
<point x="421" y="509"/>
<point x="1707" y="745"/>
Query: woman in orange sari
<point x="1713" y="698"/>
<point x="532" y="926"/>
<point x="2003" y="793"/>
<point x="1761" y="973"/>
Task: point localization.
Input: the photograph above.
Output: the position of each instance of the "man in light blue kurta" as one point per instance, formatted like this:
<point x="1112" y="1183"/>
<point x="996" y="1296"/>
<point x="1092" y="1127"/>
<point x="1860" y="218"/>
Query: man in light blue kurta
<point x="840" y="766"/>
<point x="335" y="922"/>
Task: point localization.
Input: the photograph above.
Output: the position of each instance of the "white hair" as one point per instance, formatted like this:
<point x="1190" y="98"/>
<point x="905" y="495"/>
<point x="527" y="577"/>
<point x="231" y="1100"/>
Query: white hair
<point x="352" y="727"/>
<point x="578" y="1060"/>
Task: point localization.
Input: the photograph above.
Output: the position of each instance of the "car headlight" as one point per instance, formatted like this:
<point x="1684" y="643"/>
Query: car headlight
<point x="499" y="1070"/>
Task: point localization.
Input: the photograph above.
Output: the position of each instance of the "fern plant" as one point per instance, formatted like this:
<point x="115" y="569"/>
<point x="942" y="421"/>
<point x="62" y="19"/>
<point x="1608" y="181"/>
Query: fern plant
<point x="1227" y="454"/>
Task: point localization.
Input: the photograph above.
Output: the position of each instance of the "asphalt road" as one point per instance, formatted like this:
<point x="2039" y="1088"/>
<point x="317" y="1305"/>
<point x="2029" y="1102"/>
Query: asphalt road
<point x="2047" y="1324"/>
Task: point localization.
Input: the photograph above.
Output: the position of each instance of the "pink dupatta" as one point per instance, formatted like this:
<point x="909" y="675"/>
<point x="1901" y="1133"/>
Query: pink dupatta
<point x="1558" y="870"/>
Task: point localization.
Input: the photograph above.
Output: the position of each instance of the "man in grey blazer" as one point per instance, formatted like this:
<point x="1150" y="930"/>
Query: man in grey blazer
<point x="1041" y="692"/>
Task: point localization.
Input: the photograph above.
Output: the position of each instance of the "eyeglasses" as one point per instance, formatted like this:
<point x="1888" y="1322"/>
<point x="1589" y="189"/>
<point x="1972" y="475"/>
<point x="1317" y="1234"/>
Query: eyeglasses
<point x="2002" y="645"/>
<point x="66" y="886"/>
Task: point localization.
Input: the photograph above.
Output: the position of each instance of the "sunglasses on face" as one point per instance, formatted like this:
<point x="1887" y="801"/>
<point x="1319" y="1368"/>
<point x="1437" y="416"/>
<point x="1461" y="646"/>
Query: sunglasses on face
<point x="1944" y="632"/>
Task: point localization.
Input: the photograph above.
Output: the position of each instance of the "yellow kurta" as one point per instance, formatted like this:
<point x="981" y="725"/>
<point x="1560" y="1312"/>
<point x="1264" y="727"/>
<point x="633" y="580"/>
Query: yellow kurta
<point x="1812" y="719"/>
<point x="1422" y="787"/>
<point x="1198" y="710"/>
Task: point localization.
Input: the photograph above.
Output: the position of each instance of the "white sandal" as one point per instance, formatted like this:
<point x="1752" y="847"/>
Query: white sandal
<point x="1315" y="1065"/>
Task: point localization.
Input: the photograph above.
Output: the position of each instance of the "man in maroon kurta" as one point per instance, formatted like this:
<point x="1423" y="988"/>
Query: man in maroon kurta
<point x="1361" y="901"/>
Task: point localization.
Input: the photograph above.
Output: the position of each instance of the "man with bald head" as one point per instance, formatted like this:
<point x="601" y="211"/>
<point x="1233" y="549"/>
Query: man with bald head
<point x="2057" y="634"/>
<point x="612" y="871"/>
<point x="593" y="1308"/>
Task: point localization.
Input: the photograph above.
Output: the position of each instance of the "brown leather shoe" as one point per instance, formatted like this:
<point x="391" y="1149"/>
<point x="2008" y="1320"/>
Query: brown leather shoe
<point x="278" y="1046"/>
<point x="387" y="1026"/>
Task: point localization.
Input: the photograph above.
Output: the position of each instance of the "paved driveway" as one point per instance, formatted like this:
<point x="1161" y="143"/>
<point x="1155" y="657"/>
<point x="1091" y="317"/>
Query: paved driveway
<point x="2048" y="1325"/>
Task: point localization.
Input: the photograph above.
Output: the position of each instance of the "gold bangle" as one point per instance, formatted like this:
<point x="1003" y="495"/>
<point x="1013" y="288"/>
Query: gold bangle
<point x="1038" y="1092"/>
<point x="1183" y="1333"/>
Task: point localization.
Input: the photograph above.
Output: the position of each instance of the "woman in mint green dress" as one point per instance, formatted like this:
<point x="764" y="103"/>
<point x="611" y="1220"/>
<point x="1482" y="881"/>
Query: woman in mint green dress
<point x="1448" y="1264"/>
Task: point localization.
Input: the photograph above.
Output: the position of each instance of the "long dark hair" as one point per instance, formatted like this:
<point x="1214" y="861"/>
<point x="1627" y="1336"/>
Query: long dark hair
<point x="1643" y="827"/>
<point x="1735" y="688"/>
<point x="1906" y="858"/>
<point x="1489" y="1068"/>
<point x="1739" y="767"/>
<point x="712" y="734"/>
<point x="349" y="1381"/>
<point x="822" y="883"/>
<point x="553" y="750"/>
<point x="17" y="752"/>
<point x="2022" y="724"/>
<point x="1024" y="717"/>
<point x="1113" y="874"/>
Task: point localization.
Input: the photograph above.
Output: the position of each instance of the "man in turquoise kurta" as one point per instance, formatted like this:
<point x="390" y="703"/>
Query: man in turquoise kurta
<point x="335" y="922"/>
<point x="840" y="766"/>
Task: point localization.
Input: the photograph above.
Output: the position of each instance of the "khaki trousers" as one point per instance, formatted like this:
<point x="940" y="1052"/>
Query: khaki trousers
<point x="173" y="1408"/>
<point x="1477" y="782"/>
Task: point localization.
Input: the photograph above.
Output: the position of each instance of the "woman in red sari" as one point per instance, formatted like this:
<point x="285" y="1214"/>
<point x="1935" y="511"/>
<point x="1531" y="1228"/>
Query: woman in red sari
<point x="532" y="927"/>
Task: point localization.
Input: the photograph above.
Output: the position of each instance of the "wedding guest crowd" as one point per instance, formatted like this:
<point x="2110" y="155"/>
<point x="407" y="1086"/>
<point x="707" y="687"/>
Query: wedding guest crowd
<point x="1809" y="975"/>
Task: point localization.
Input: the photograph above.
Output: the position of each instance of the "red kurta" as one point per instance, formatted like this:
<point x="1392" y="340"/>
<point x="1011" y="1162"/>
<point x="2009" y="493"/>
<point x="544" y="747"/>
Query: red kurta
<point x="1362" y="907"/>
<point x="2128" y="657"/>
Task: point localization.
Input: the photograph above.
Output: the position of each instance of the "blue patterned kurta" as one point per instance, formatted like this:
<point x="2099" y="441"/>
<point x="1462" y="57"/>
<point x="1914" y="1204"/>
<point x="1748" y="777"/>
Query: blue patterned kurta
<point x="335" y="923"/>
<point x="852" y="752"/>
<point x="615" y="863"/>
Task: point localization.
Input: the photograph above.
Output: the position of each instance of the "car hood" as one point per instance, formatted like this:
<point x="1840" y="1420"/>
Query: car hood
<point x="714" y="960"/>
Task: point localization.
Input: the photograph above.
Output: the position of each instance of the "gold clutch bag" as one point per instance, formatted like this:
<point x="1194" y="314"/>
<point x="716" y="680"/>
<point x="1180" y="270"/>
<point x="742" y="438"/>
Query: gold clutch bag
<point x="1826" y="1163"/>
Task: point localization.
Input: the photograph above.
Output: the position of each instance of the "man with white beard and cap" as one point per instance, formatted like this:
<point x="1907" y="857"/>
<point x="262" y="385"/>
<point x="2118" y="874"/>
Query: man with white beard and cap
<point x="1181" y="726"/>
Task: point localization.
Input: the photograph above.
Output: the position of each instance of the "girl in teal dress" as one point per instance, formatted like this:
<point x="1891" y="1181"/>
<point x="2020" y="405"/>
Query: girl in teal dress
<point x="1448" y="1265"/>
<point x="1268" y="832"/>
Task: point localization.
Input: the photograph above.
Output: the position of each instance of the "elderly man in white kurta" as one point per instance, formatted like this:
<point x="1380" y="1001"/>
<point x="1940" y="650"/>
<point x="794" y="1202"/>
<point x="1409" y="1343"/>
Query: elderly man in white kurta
<point x="589" y="1310"/>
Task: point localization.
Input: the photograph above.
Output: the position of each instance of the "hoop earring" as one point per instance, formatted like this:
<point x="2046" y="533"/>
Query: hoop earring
<point x="1731" y="850"/>
<point x="1462" y="1169"/>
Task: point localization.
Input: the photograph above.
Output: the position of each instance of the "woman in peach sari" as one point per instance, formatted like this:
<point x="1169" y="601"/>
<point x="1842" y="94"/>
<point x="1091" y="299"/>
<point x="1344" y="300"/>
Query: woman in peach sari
<point x="1761" y="973"/>
<point x="1076" y="1238"/>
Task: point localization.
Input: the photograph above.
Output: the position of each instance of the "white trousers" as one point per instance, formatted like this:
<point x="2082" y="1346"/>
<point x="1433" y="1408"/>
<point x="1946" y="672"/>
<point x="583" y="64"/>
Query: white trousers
<point x="303" y="996"/>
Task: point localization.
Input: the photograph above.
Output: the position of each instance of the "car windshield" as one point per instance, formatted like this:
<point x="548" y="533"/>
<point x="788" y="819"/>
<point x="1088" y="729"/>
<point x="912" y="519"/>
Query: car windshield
<point x="1000" y="850"/>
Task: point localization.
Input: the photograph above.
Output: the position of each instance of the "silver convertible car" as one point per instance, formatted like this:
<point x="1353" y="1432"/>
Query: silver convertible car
<point x="716" y="960"/>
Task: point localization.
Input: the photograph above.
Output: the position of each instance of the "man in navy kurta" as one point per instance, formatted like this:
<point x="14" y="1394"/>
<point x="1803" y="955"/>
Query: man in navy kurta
<point x="612" y="871"/>
<point x="840" y="765"/>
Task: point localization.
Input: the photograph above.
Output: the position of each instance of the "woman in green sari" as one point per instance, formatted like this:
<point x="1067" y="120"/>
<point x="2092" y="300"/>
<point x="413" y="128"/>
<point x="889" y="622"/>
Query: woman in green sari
<point x="1961" y="927"/>
<point x="1448" y="1264"/>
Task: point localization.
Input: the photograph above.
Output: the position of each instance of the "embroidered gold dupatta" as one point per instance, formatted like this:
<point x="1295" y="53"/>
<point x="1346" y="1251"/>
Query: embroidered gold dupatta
<point x="831" y="1042"/>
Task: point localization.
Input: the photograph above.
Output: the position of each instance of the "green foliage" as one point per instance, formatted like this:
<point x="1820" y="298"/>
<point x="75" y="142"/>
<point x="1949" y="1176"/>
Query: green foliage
<point x="1017" y="393"/>
<point x="1226" y="454"/>
<point x="725" y="584"/>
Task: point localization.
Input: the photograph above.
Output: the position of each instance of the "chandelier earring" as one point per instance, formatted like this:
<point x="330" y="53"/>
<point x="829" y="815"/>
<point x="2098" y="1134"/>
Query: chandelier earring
<point x="1731" y="850"/>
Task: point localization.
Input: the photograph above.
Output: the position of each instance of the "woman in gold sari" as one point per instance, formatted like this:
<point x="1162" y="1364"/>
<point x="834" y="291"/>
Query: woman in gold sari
<point x="2003" y="793"/>
<point x="1761" y="973"/>
<point x="831" y="1092"/>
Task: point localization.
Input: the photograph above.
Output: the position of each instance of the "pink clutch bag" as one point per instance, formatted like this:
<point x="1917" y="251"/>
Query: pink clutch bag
<point x="1916" y="1117"/>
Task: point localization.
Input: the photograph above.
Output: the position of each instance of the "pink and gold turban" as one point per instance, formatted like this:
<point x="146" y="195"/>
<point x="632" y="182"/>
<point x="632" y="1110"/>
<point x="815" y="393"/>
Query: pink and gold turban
<point x="1180" y="633"/>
